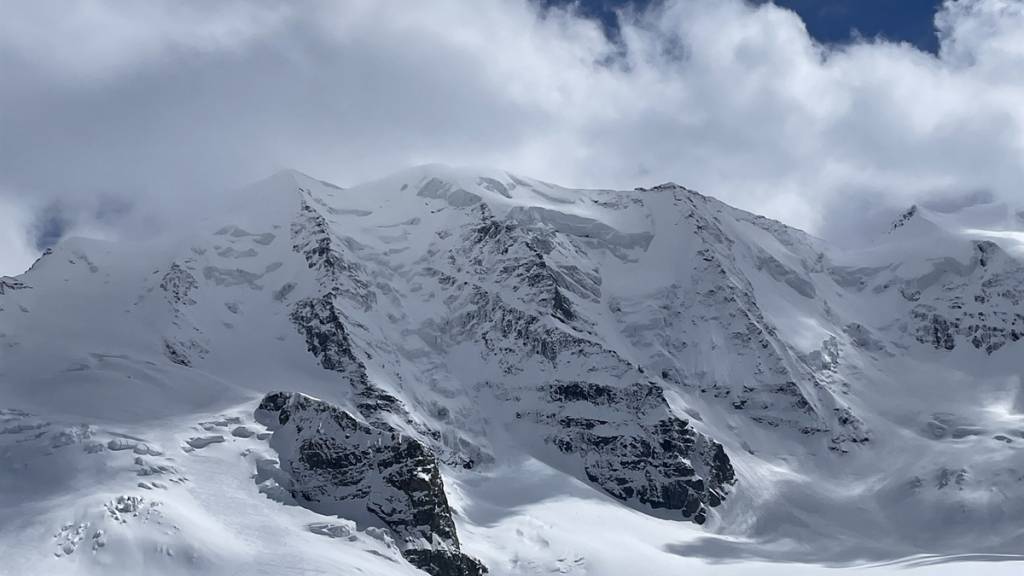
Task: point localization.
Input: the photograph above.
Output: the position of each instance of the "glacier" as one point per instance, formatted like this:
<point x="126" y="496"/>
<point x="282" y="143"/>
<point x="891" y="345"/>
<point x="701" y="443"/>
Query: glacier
<point x="459" y="371"/>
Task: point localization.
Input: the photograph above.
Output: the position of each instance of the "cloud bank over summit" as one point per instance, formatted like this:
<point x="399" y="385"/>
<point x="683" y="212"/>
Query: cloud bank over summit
<point x="154" y="107"/>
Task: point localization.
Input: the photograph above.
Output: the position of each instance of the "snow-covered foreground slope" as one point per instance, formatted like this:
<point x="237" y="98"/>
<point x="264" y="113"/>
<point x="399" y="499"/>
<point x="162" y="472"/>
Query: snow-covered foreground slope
<point x="460" y="370"/>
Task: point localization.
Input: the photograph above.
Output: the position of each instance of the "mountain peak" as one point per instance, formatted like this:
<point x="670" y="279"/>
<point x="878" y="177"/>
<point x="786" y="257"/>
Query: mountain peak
<point x="661" y="187"/>
<point x="289" y="177"/>
<point x="905" y="217"/>
<point x="455" y="327"/>
<point x="667" y="186"/>
<point x="917" y="221"/>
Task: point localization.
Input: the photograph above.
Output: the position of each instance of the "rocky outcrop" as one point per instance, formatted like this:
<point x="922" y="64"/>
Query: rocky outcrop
<point x="904" y="218"/>
<point x="976" y="303"/>
<point x="632" y="446"/>
<point x="507" y="332"/>
<point x="932" y="328"/>
<point x="320" y="319"/>
<point x="517" y="291"/>
<point x="327" y="339"/>
<point x="338" y="464"/>
<point x="327" y="255"/>
<point x="184" y="342"/>
<point x="178" y="283"/>
<point x="9" y="284"/>
<point x="542" y="265"/>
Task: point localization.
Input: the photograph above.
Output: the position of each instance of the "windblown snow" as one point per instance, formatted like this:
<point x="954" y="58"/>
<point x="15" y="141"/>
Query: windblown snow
<point x="457" y="372"/>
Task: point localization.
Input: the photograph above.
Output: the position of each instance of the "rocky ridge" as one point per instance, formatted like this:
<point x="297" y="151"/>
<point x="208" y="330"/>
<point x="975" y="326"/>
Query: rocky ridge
<point x="337" y="464"/>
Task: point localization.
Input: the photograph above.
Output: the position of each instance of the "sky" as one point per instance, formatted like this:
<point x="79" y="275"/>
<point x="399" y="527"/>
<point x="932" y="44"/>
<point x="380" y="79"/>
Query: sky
<point x="118" y="120"/>
<point x="827" y="21"/>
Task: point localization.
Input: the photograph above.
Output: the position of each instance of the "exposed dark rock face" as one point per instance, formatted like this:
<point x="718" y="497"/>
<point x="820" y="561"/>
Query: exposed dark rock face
<point x="440" y="562"/>
<point x="539" y="315"/>
<point x="328" y="321"/>
<point x="184" y="352"/>
<point x="327" y="339"/>
<point x="183" y="343"/>
<point x="932" y="328"/>
<point x="326" y="336"/>
<point x="319" y="319"/>
<point x="326" y="254"/>
<point x="633" y="447"/>
<point x="508" y="332"/>
<point x="905" y="217"/>
<point x="174" y="354"/>
<point x="533" y="259"/>
<point x="338" y="464"/>
<point x="179" y="283"/>
<point x="8" y="284"/>
<point x="976" y="303"/>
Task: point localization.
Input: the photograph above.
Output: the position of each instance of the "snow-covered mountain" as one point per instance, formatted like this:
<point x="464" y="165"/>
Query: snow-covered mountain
<point x="458" y="371"/>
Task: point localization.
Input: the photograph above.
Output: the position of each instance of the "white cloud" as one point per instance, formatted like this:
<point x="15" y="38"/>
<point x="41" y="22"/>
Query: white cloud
<point x="170" y="99"/>
<point x="94" y="39"/>
<point x="16" y="252"/>
<point x="983" y="34"/>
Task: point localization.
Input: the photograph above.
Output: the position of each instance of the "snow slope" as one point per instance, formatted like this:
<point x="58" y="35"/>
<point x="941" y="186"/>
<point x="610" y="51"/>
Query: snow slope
<point x="499" y="370"/>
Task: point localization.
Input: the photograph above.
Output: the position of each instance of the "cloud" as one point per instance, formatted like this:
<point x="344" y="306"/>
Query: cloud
<point x="96" y="39"/>
<point x="17" y="253"/>
<point x="160" y="105"/>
